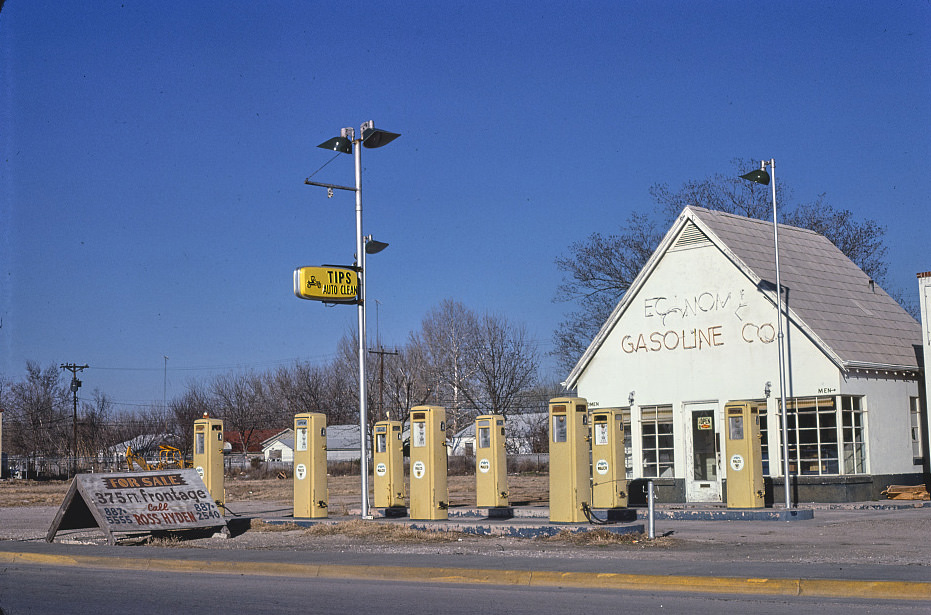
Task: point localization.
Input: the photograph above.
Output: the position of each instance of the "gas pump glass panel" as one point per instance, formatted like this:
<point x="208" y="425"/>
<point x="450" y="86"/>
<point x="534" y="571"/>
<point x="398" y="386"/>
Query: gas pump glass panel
<point x="301" y="443"/>
<point x="381" y="443"/>
<point x="705" y="459"/>
<point x="484" y="437"/>
<point x="419" y="435"/>
<point x="559" y="428"/>
<point x="735" y="427"/>
<point x="601" y="431"/>
<point x="199" y="444"/>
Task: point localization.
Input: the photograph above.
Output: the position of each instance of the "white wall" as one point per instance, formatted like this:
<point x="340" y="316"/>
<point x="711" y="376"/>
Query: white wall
<point x="924" y="292"/>
<point x="287" y="454"/>
<point x="730" y="352"/>
<point x="887" y="421"/>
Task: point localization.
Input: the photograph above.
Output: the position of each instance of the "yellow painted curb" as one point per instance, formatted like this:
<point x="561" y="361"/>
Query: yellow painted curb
<point x="876" y="590"/>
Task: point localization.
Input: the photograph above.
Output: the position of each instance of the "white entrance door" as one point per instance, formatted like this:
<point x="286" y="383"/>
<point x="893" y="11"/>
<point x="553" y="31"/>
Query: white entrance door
<point x="702" y="444"/>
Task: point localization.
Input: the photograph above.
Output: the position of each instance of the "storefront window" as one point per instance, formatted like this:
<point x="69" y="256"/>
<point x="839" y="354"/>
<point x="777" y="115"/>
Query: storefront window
<point x="817" y="435"/>
<point x="854" y="447"/>
<point x="657" y="439"/>
<point x="628" y="444"/>
<point x="813" y="423"/>
<point x="764" y="437"/>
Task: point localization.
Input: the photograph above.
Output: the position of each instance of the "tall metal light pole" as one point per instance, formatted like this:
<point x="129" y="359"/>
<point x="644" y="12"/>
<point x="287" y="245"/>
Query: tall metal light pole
<point x="346" y="143"/>
<point x="760" y="176"/>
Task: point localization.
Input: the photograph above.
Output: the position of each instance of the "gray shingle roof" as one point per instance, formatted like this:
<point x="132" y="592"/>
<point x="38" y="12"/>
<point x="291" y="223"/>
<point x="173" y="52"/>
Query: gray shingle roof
<point x="831" y="295"/>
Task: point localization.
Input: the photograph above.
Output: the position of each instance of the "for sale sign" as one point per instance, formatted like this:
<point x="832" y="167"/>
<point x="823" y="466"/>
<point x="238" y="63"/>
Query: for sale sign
<point x="137" y="501"/>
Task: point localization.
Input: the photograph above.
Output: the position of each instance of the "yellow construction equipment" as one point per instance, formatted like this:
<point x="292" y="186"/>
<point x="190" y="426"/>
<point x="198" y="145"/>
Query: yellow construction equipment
<point x="171" y="457"/>
<point x="168" y="457"/>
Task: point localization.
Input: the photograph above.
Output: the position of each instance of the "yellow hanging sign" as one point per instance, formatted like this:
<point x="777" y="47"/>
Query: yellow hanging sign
<point x="328" y="284"/>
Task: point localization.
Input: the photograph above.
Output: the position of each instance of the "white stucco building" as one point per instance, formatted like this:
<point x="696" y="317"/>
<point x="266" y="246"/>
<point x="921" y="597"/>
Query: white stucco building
<point x="697" y="328"/>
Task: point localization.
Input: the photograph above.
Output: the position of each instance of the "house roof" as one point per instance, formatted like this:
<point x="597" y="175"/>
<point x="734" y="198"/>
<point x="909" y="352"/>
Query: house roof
<point x="517" y="424"/>
<point x="257" y="439"/>
<point x="832" y="300"/>
<point x="342" y="437"/>
<point x="338" y="437"/>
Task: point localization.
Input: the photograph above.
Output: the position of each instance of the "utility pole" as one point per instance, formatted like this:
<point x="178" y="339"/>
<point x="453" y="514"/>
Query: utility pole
<point x="75" y="385"/>
<point x="381" y="352"/>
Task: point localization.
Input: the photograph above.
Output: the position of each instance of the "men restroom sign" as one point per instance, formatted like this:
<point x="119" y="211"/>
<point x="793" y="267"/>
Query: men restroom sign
<point x="327" y="284"/>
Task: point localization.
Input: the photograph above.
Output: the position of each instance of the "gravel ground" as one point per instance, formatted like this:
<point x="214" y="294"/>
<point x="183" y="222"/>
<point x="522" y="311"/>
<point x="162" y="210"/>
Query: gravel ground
<point x="849" y="534"/>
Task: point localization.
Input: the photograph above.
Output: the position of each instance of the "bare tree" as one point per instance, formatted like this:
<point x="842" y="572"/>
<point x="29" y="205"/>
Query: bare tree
<point x="295" y="388"/>
<point x="39" y="420"/>
<point x="193" y="404"/>
<point x="240" y="401"/>
<point x="504" y="362"/>
<point x="144" y="430"/>
<point x="597" y="273"/>
<point x="405" y="383"/>
<point x="447" y="333"/>
<point x="95" y="429"/>
<point x="599" y="269"/>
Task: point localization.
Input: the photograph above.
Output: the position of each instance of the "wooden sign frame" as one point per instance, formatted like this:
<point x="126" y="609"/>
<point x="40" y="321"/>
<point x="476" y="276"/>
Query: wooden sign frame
<point x="137" y="502"/>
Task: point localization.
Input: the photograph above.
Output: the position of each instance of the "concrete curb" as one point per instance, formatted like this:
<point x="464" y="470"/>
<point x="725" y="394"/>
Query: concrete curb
<point x="832" y="588"/>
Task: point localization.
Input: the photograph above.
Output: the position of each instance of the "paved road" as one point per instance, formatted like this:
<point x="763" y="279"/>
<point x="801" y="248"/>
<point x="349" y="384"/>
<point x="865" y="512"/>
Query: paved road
<point x="847" y="560"/>
<point x="43" y="589"/>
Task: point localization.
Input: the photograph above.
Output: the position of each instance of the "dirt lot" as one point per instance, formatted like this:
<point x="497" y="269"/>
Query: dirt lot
<point x="839" y="535"/>
<point x="526" y="490"/>
<point x="24" y="503"/>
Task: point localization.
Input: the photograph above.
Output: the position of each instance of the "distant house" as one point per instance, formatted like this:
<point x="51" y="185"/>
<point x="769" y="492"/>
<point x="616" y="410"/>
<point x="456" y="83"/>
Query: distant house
<point x="342" y="442"/>
<point x="522" y="432"/>
<point x="279" y="447"/>
<point x="233" y="441"/>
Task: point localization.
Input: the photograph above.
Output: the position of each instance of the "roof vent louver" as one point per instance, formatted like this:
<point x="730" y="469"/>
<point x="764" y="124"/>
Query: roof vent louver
<point x="691" y="236"/>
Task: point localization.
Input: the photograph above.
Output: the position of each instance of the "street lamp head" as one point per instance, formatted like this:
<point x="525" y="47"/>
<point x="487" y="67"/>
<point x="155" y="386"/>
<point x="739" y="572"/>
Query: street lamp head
<point x="375" y="137"/>
<point x="759" y="176"/>
<point x="337" y="144"/>
<point x="373" y="246"/>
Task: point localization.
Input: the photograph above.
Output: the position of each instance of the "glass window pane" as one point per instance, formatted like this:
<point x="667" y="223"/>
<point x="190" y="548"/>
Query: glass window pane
<point x="559" y="428"/>
<point x="419" y="435"/>
<point x="484" y="437"/>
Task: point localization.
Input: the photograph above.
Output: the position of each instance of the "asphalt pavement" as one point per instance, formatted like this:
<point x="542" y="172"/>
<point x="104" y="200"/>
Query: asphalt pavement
<point x="879" y="550"/>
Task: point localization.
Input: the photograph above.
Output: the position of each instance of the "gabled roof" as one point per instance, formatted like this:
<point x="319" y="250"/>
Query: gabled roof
<point x="256" y="439"/>
<point x="342" y="437"/>
<point x="833" y="301"/>
<point x="338" y="437"/>
<point x="280" y="436"/>
<point x="517" y="424"/>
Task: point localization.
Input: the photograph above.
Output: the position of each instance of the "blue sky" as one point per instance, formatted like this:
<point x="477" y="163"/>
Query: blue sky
<point x="152" y="197"/>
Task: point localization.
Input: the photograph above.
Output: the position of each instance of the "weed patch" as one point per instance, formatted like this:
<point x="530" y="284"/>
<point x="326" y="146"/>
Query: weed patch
<point x="381" y="532"/>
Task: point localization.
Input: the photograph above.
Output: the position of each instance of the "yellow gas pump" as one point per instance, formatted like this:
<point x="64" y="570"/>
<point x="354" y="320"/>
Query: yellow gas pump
<point x="310" y="484"/>
<point x="609" y="474"/>
<point x="570" y="479"/>
<point x="429" y="491"/>
<point x="744" y="457"/>
<point x="208" y="457"/>
<point x="491" y="473"/>
<point x="389" y="465"/>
